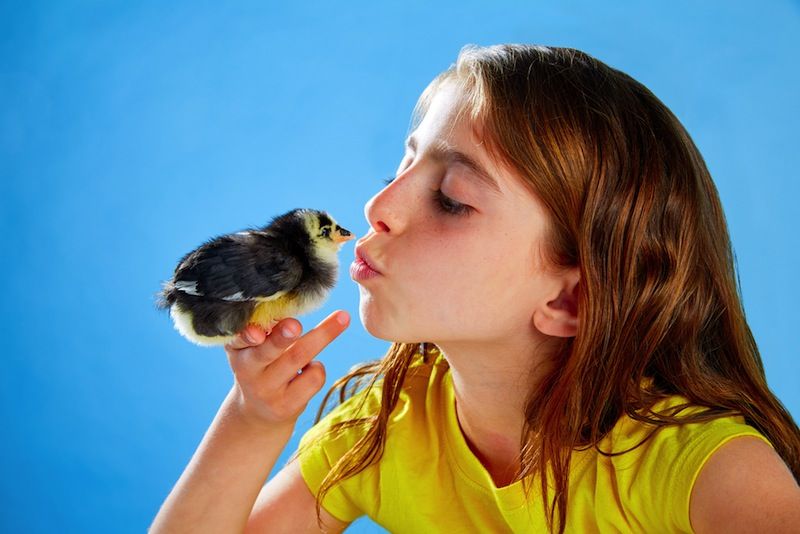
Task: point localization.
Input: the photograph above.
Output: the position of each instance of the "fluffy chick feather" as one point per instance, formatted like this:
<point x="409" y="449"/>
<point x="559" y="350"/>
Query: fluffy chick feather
<point x="257" y="276"/>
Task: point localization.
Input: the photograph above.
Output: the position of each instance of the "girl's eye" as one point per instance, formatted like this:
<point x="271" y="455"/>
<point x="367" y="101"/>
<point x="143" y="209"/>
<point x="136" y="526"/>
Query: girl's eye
<point x="444" y="203"/>
<point x="450" y="206"/>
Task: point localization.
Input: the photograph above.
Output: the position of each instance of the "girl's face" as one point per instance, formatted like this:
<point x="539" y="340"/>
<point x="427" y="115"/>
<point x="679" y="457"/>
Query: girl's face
<point x="460" y="266"/>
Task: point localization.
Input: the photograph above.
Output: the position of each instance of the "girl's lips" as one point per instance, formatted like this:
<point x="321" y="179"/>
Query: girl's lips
<point x="364" y="257"/>
<point x="359" y="270"/>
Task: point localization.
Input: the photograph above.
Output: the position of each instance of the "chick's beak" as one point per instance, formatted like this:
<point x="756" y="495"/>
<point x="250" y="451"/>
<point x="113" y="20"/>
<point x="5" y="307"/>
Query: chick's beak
<point x="342" y="235"/>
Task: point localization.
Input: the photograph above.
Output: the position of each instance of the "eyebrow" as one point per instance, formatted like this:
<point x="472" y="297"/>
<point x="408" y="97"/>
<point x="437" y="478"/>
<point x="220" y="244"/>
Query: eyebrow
<point x="443" y="152"/>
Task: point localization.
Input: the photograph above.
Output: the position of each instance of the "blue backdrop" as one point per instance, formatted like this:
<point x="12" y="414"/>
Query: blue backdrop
<point x="130" y="132"/>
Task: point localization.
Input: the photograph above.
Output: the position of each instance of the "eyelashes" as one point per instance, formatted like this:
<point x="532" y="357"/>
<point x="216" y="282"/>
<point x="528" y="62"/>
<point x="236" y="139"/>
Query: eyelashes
<point x="449" y="206"/>
<point x="443" y="203"/>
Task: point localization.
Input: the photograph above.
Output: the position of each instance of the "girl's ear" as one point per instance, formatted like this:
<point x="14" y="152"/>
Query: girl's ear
<point x="559" y="316"/>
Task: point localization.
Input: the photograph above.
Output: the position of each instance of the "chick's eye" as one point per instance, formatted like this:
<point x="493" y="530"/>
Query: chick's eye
<point x="443" y="203"/>
<point x="325" y="232"/>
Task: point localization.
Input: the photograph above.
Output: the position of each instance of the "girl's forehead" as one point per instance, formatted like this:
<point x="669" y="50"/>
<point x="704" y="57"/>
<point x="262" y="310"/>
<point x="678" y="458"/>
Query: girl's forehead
<point x="447" y="122"/>
<point x="448" y="107"/>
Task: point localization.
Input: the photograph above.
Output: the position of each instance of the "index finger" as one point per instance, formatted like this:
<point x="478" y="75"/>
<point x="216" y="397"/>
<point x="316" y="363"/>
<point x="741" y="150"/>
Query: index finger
<point x="308" y="346"/>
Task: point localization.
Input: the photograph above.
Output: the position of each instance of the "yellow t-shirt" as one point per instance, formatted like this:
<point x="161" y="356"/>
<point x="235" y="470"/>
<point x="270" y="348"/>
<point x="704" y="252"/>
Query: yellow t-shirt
<point x="428" y="480"/>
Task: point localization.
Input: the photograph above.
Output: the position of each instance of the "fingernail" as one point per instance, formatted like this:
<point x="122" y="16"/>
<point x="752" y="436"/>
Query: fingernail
<point x="342" y="317"/>
<point x="288" y="332"/>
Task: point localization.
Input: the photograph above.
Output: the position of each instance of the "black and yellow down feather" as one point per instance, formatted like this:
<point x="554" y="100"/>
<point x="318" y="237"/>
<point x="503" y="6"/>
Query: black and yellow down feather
<point x="258" y="276"/>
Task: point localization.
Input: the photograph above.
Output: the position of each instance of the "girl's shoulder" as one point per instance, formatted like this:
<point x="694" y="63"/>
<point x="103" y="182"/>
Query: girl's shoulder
<point x="629" y="430"/>
<point x="663" y="462"/>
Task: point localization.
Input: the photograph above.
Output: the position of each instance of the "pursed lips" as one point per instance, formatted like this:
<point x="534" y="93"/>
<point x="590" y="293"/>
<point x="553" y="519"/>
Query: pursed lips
<point x="363" y="256"/>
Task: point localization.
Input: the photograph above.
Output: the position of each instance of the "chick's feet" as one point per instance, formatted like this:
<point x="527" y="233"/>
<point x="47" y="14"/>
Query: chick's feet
<point x="271" y="325"/>
<point x="266" y="328"/>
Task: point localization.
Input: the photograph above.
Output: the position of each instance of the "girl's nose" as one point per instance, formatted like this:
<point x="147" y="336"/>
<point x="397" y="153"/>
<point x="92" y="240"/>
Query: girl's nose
<point x="391" y="209"/>
<point x="385" y="211"/>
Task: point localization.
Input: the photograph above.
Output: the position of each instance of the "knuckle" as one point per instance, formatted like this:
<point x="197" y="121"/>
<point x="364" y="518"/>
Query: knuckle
<point x="296" y="357"/>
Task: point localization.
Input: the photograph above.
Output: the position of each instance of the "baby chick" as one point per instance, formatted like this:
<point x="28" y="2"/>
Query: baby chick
<point x="258" y="276"/>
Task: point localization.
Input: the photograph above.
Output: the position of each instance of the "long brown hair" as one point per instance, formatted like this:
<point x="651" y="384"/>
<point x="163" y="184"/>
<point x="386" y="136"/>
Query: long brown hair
<point x="631" y="202"/>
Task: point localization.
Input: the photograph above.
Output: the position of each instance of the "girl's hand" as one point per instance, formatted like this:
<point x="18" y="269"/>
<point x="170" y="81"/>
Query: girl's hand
<point x="268" y="389"/>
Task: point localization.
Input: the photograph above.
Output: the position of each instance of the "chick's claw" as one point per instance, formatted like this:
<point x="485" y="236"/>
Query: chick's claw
<point x="267" y="329"/>
<point x="272" y="324"/>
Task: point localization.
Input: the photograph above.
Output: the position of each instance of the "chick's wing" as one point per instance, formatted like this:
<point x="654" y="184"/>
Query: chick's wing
<point x="238" y="268"/>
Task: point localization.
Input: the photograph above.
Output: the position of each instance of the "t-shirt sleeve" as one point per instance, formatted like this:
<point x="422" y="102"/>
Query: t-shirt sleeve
<point x="692" y="459"/>
<point x="317" y="453"/>
<point x="660" y="483"/>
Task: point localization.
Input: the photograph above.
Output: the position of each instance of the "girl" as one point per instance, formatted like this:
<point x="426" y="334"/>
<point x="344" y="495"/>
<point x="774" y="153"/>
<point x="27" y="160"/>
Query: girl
<point x="554" y="236"/>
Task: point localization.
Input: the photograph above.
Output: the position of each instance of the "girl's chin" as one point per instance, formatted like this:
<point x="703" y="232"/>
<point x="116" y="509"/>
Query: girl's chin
<point x="381" y="330"/>
<point x="377" y="330"/>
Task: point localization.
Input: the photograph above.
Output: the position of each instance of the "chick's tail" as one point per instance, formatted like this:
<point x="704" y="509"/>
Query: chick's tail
<point x="167" y="296"/>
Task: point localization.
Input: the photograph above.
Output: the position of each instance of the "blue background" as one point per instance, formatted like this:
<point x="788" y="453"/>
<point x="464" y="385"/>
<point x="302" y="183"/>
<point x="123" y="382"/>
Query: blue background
<point x="130" y="132"/>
